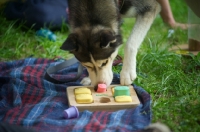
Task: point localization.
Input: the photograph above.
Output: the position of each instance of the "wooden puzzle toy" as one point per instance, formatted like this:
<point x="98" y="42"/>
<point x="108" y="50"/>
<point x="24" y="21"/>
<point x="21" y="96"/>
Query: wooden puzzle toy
<point x="114" y="97"/>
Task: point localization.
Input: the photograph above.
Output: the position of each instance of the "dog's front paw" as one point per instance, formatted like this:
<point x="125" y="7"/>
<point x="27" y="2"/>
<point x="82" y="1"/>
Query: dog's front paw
<point x="127" y="77"/>
<point x="86" y="81"/>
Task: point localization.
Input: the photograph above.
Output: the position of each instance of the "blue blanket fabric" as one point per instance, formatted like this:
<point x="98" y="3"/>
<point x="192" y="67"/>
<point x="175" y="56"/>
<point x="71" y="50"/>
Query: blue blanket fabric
<point x="28" y="100"/>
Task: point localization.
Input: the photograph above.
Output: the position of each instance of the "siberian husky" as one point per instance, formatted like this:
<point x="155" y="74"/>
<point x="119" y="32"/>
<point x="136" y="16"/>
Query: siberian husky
<point x="95" y="36"/>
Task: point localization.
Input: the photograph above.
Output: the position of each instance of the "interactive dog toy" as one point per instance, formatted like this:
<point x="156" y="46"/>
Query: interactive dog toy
<point x="116" y="97"/>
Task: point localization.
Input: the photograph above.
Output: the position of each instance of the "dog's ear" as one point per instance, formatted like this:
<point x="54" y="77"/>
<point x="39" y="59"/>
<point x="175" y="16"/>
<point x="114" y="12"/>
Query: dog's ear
<point x="106" y="38"/>
<point x="70" y="43"/>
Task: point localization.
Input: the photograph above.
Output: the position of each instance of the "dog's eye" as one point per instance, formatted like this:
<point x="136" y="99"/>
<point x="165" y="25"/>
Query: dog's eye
<point x="103" y="64"/>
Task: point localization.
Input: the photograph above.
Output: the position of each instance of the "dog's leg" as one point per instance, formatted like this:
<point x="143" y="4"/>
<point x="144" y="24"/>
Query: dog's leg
<point x="85" y="81"/>
<point x="141" y="27"/>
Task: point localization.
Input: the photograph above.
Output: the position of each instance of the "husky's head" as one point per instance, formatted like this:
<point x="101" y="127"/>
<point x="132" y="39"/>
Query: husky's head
<point x="95" y="49"/>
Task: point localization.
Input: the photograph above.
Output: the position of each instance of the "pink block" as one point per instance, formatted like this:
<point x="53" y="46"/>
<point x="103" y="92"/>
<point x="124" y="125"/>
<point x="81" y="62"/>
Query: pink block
<point x="101" y="88"/>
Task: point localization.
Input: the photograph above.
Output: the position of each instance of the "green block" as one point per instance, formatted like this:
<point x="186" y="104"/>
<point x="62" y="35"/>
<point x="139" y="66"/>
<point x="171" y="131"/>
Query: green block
<point x="121" y="90"/>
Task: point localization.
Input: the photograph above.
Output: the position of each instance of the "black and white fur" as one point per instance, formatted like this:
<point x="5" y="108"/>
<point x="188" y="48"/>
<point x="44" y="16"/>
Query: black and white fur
<point x="95" y="36"/>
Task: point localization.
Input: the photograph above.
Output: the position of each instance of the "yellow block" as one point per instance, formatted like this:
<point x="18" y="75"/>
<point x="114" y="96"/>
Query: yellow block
<point x="113" y="90"/>
<point x="123" y="99"/>
<point x="84" y="98"/>
<point x="82" y="90"/>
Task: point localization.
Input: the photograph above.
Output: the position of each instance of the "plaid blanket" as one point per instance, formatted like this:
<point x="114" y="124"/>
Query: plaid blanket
<point x="28" y="100"/>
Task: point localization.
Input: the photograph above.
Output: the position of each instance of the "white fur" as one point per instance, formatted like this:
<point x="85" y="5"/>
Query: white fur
<point x="142" y="25"/>
<point x="103" y="74"/>
<point x="85" y="81"/>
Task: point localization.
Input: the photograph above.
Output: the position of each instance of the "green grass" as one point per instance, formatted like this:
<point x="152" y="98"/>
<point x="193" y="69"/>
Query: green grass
<point x="172" y="80"/>
<point x="17" y="42"/>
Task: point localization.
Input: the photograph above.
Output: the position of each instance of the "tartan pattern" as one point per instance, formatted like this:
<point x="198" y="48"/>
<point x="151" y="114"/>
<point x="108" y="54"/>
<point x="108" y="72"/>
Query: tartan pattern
<point x="28" y="100"/>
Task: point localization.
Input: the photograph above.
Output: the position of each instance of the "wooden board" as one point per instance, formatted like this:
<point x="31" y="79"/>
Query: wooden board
<point x="102" y="101"/>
